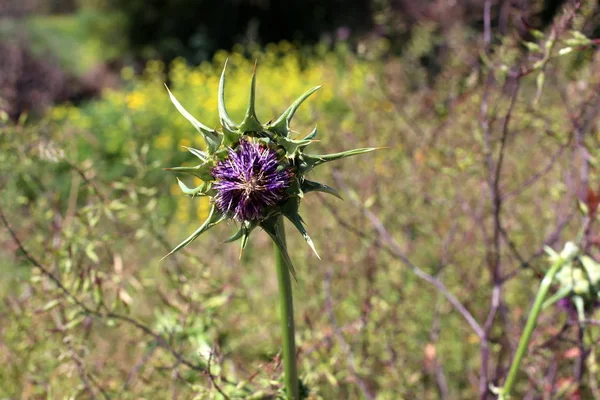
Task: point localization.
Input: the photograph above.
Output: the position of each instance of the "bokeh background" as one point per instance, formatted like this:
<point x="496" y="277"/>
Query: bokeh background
<point x="488" y="112"/>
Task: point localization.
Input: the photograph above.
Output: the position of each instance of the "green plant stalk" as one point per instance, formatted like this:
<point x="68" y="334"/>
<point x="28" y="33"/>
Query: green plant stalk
<point x="286" y="309"/>
<point x="504" y="392"/>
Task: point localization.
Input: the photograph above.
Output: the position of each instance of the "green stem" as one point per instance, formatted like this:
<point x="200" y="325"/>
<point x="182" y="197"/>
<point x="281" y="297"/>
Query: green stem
<point x="286" y="309"/>
<point x="529" y="327"/>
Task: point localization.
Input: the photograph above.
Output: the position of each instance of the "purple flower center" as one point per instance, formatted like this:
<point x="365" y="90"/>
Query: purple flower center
<point x="249" y="180"/>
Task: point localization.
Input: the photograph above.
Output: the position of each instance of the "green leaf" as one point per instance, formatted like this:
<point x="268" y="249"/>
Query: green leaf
<point x="290" y="210"/>
<point x="211" y="137"/>
<point x="271" y="227"/>
<point x="310" y="160"/>
<point x="215" y="301"/>
<point x="73" y="323"/>
<point x="230" y="137"/>
<point x="224" y="117"/>
<point x="564" y="291"/>
<point x="243" y="233"/>
<point x="564" y="51"/>
<point x="579" y="38"/>
<point x="98" y="295"/>
<point x="214" y="217"/>
<point x="250" y="122"/>
<point x="310" y="186"/>
<point x="292" y="146"/>
<point x="553" y="255"/>
<point x="580" y="307"/>
<point x="592" y="268"/>
<point x="199" y="191"/>
<point x="282" y="124"/>
<point x="540" y="86"/>
<point x="203" y="156"/>
<point x="51" y="304"/>
<point x="312" y="135"/>
<point x="91" y="253"/>
<point x="236" y="236"/>
<point x="532" y="46"/>
<point x="244" y="241"/>
<point x="299" y="224"/>
<point x="536" y="33"/>
<point x="202" y="171"/>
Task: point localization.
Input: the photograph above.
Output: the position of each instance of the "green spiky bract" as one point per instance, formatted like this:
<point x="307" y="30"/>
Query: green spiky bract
<point x="277" y="137"/>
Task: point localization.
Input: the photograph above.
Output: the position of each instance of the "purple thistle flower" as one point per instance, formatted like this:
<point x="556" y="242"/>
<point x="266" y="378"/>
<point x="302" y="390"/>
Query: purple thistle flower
<point x="257" y="181"/>
<point x="249" y="180"/>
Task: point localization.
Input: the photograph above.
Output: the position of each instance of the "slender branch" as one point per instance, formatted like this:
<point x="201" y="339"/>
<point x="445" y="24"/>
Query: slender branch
<point x="394" y="249"/>
<point x="211" y="376"/>
<point x="494" y="170"/>
<point x="535" y="177"/>
<point x="487" y="24"/>
<point x="160" y="340"/>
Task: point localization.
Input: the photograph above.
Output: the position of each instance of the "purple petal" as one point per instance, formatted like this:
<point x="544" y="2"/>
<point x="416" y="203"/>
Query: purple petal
<point x="248" y="181"/>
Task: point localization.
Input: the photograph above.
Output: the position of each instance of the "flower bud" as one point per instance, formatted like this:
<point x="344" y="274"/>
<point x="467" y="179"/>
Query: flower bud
<point x="254" y="173"/>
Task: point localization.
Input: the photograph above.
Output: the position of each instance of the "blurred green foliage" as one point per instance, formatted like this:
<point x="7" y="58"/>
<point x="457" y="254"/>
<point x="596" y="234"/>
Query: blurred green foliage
<point x="78" y="42"/>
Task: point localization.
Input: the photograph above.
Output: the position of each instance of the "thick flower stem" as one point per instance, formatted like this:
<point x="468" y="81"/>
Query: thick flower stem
<point x="286" y="309"/>
<point x="504" y="392"/>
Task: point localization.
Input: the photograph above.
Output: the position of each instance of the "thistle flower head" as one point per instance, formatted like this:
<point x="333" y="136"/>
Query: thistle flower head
<point x="250" y="181"/>
<point x="254" y="172"/>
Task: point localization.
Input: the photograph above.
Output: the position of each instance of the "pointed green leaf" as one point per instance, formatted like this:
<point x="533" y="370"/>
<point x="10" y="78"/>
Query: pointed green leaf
<point x="214" y="218"/>
<point x="271" y="227"/>
<point x="203" y="156"/>
<point x="230" y="137"/>
<point x="292" y="146"/>
<point x="311" y="136"/>
<point x="250" y="122"/>
<point x="226" y="120"/>
<point x="299" y="224"/>
<point x="592" y="268"/>
<point x="282" y="124"/>
<point x="294" y="190"/>
<point x="310" y="160"/>
<point x="580" y="307"/>
<point x="290" y="210"/>
<point x="236" y="236"/>
<point x="561" y="293"/>
<point x="310" y="186"/>
<point x="243" y="233"/>
<point x="202" y="171"/>
<point x="211" y="137"/>
<point x="551" y="253"/>
<point x="199" y="191"/>
<point x="244" y="241"/>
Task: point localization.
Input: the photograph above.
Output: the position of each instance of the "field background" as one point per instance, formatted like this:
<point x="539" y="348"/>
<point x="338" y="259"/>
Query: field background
<point x="490" y="132"/>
